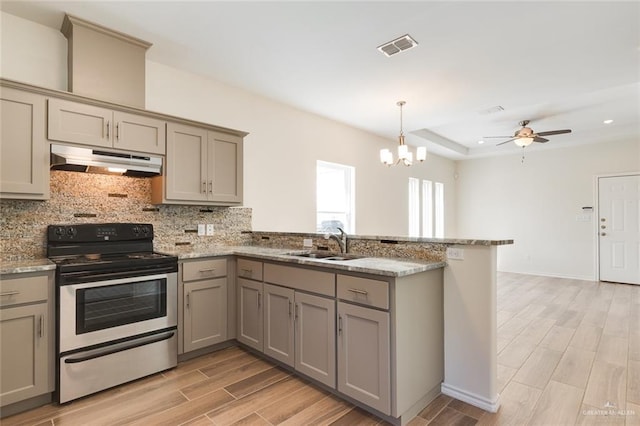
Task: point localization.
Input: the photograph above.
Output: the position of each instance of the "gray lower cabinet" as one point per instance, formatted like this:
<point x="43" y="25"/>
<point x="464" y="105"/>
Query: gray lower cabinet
<point x="299" y="330"/>
<point x="364" y="369"/>
<point x="315" y="338"/>
<point x="279" y="323"/>
<point x="204" y="303"/>
<point x="26" y="333"/>
<point x="24" y="156"/>
<point x="250" y="316"/>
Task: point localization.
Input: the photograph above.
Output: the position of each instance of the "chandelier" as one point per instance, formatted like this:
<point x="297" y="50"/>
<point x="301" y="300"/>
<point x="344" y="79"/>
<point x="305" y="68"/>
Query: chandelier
<point x="404" y="155"/>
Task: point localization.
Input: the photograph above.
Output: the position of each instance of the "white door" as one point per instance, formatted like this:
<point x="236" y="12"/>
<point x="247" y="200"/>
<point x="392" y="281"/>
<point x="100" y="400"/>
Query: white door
<point x="619" y="228"/>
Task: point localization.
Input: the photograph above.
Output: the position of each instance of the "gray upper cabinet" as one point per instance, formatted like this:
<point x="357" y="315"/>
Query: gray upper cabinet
<point x="202" y="167"/>
<point x="102" y="127"/>
<point x="24" y="157"/>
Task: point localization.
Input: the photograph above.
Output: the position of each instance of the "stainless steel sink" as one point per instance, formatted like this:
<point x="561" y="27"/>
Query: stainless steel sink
<point x="337" y="257"/>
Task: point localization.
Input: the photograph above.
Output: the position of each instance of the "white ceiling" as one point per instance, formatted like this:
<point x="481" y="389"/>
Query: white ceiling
<point x="559" y="64"/>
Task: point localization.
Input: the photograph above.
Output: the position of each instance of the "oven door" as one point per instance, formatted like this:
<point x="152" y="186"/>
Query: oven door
<point x="94" y="313"/>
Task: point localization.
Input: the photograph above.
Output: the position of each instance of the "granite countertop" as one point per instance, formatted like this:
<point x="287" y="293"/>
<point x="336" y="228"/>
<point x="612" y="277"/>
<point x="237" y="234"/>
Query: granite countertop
<point x="370" y="265"/>
<point x="25" y="266"/>
<point x="452" y="241"/>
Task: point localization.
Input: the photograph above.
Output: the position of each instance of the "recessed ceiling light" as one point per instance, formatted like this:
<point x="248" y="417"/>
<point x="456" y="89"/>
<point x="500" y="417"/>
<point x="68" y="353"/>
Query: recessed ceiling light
<point x="609" y="121"/>
<point x="480" y="142"/>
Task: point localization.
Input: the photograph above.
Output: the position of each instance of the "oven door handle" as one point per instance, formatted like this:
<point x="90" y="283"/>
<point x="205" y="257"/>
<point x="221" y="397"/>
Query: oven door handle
<point x="97" y="353"/>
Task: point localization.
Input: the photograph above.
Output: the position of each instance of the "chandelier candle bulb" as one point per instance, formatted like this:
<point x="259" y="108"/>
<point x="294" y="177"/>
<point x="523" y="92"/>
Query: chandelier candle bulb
<point x="404" y="155"/>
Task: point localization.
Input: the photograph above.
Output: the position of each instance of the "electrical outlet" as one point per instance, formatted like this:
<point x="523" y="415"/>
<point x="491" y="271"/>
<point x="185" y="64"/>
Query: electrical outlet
<point x="307" y="243"/>
<point x="201" y="229"/>
<point x="455" y="253"/>
<point x="210" y="229"/>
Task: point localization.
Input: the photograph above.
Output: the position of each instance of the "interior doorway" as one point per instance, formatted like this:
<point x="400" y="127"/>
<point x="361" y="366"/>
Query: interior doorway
<point x="619" y="228"/>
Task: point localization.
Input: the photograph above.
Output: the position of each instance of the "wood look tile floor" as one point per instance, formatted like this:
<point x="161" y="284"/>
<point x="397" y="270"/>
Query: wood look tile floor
<point x="568" y="354"/>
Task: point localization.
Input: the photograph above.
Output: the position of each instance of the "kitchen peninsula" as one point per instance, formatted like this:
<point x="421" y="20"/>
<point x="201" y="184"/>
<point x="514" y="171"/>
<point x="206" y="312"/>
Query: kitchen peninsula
<point x="467" y="311"/>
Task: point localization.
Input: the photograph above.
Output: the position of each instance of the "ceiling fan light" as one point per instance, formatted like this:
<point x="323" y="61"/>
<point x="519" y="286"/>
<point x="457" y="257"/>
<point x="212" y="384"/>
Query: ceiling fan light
<point x="523" y="142"/>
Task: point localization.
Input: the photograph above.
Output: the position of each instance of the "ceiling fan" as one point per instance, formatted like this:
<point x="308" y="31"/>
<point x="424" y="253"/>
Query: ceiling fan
<point x="525" y="136"/>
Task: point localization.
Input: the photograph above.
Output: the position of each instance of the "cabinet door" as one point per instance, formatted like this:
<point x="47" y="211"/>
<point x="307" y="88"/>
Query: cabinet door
<point x="137" y="133"/>
<point x="225" y="167"/>
<point x="278" y="323"/>
<point x="24" y="353"/>
<point x="315" y="338"/>
<point x="186" y="163"/>
<point x="80" y="123"/>
<point x="250" y="318"/>
<point x="363" y="355"/>
<point x="205" y="313"/>
<point x="24" y="157"/>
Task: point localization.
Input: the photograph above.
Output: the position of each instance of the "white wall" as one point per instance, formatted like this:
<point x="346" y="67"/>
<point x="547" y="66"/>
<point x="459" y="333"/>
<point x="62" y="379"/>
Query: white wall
<point x="280" y="151"/>
<point x="537" y="204"/>
<point x="32" y="53"/>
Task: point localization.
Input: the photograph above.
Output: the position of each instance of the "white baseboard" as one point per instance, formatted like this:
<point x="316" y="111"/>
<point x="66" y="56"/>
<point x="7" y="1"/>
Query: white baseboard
<point x="470" y="398"/>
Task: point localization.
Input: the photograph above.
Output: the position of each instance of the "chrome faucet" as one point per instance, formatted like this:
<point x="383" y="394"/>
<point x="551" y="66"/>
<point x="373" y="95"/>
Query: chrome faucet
<point x="341" y="240"/>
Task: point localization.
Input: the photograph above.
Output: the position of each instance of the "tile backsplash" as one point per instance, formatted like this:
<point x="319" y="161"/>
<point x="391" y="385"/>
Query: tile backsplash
<point x="95" y="198"/>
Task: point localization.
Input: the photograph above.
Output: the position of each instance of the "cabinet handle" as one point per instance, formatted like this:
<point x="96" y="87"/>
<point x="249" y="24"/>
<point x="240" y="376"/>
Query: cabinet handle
<point x="356" y="291"/>
<point x="247" y="272"/>
<point x="41" y="330"/>
<point x="339" y="324"/>
<point x="204" y="186"/>
<point x="211" y="186"/>
<point x="207" y="270"/>
<point x="108" y="126"/>
<point x="188" y="294"/>
<point x="259" y="296"/>
<point x="9" y="293"/>
<point x="296" y="317"/>
<point x="117" y="131"/>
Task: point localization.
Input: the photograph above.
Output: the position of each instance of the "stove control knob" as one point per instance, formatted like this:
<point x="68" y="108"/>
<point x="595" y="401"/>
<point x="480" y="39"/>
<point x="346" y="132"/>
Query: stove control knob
<point x="136" y="230"/>
<point x="59" y="231"/>
<point x="71" y="231"/>
<point x="145" y="230"/>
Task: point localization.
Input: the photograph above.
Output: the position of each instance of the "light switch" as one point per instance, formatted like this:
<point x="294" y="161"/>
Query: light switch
<point x="210" y="229"/>
<point x="201" y="229"/>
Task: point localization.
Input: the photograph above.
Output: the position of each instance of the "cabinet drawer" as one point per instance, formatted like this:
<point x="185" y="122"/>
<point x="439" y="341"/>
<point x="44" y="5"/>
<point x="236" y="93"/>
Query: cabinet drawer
<point x="250" y="269"/>
<point x="363" y="290"/>
<point x="201" y="269"/>
<point x="14" y="291"/>
<point x="301" y="279"/>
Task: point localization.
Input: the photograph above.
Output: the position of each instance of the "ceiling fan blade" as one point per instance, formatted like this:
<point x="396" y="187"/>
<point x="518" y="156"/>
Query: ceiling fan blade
<point x="553" y="132"/>
<point x="538" y="139"/>
<point x="501" y="137"/>
<point x="507" y="141"/>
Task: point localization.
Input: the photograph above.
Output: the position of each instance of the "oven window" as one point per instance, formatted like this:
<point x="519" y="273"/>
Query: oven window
<point x="110" y="306"/>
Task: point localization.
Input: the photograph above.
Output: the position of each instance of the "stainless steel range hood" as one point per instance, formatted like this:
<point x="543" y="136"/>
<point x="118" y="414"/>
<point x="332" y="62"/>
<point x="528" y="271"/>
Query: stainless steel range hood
<point x="77" y="159"/>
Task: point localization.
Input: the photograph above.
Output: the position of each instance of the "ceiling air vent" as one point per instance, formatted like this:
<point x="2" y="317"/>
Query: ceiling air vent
<point x="398" y="45"/>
